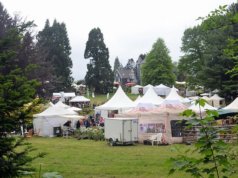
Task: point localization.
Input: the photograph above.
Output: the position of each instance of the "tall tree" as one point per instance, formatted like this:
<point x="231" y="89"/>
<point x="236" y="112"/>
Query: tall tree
<point x="158" y="67"/>
<point x="15" y="91"/>
<point x="99" y="75"/>
<point x="204" y="61"/>
<point x="192" y="63"/>
<point x="54" y="50"/>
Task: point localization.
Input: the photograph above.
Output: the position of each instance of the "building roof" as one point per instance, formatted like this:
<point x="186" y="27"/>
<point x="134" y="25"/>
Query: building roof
<point x="126" y="73"/>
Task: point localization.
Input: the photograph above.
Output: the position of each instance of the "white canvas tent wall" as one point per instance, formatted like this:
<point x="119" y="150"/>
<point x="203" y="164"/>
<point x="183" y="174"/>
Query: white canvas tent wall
<point x="120" y="102"/>
<point x="54" y="116"/>
<point x="151" y="97"/>
<point x="162" y="90"/>
<point x="135" y="89"/>
<point x="217" y="101"/>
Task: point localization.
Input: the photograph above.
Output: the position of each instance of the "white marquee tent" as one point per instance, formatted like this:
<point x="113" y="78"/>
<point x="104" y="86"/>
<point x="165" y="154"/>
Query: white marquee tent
<point x="162" y="90"/>
<point x="217" y="101"/>
<point x="151" y="97"/>
<point x="231" y="108"/>
<point x="135" y="89"/>
<point x="79" y="99"/>
<point x="119" y="103"/>
<point x="173" y="95"/>
<point x="196" y="108"/>
<point x="54" y="116"/>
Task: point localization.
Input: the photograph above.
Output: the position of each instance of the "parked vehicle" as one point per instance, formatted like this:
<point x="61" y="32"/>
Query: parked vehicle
<point x="121" y="131"/>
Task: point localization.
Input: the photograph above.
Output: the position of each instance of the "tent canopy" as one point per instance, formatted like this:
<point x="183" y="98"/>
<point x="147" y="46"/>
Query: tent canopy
<point x="162" y="90"/>
<point x="79" y="99"/>
<point x="216" y="98"/>
<point x="151" y="97"/>
<point x="56" y="111"/>
<point x="161" y="86"/>
<point x="231" y="108"/>
<point x="62" y="94"/>
<point x="173" y="95"/>
<point x="196" y="108"/>
<point x="119" y="101"/>
<point x="61" y="104"/>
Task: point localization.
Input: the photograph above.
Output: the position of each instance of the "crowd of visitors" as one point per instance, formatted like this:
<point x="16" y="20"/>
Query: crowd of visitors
<point x="88" y="121"/>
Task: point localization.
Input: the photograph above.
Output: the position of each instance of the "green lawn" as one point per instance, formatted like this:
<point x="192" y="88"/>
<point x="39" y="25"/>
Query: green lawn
<point x="95" y="159"/>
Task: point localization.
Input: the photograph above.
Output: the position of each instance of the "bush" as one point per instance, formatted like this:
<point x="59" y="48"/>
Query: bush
<point x="93" y="133"/>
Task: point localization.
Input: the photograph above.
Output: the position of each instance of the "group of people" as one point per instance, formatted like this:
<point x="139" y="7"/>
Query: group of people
<point x="86" y="122"/>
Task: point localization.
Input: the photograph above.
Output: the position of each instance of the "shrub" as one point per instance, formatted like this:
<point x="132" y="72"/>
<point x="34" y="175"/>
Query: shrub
<point x="94" y="133"/>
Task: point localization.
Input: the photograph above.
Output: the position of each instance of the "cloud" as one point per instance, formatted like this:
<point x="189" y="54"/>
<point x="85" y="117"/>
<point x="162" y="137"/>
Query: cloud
<point x="130" y="27"/>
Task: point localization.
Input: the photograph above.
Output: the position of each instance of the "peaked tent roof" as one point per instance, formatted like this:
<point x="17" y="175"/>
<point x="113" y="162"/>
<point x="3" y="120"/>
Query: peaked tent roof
<point x="79" y="99"/>
<point x="151" y="97"/>
<point x="161" y="86"/>
<point x="148" y="86"/>
<point x="119" y="101"/>
<point x="195" y="107"/>
<point x="232" y="106"/>
<point x="216" y="97"/>
<point x="61" y="104"/>
<point x="173" y="95"/>
<point x="56" y="111"/>
<point x="162" y="90"/>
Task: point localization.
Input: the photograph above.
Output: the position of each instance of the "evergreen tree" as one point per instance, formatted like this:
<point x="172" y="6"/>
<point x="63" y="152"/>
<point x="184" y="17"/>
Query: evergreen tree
<point x="15" y="91"/>
<point x="99" y="75"/>
<point x="158" y="67"/>
<point x="54" y="50"/>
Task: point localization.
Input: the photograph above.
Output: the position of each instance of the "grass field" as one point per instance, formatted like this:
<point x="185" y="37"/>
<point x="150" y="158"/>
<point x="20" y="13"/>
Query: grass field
<point x="95" y="159"/>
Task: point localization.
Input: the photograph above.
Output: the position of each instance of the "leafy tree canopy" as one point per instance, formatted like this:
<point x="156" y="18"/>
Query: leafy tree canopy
<point x="158" y="67"/>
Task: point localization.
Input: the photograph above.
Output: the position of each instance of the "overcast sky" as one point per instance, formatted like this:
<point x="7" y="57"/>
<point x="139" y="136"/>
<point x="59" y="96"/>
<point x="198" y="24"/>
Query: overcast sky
<point x="130" y="27"/>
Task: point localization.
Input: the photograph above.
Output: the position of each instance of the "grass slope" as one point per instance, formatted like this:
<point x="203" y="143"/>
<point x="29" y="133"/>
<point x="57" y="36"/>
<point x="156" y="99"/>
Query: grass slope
<point x="90" y="159"/>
